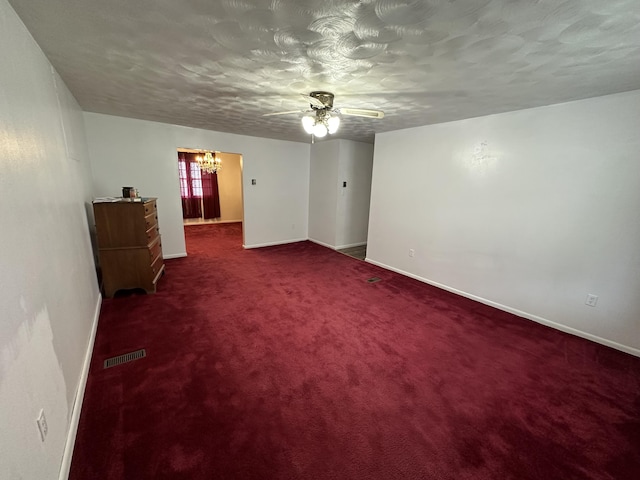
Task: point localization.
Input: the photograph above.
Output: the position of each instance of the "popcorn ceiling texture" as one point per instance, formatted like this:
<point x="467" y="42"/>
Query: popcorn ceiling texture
<point x="221" y="64"/>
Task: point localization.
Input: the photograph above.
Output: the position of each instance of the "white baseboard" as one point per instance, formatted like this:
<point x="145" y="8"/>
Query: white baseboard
<point x="67" y="455"/>
<point x="188" y="224"/>
<point x="271" y="244"/>
<point x="339" y="247"/>
<point x="351" y="245"/>
<point x="520" y="313"/>
<point x="174" y="255"/>
<point x="322" y="243"/>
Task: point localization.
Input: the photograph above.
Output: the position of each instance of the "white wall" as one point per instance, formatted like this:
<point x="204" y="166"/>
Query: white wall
<point x="339" y="216"/>
<point x="230" y="187"/>
<point x="323" y="200"/>
<point x="142" y="154"/>
<point x="352" y="217"/>
<point x="48" y="289"/>
<point x="546" y="214"/>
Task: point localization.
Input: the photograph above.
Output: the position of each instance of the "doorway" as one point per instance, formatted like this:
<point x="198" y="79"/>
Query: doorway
<point x="210" y="198"/>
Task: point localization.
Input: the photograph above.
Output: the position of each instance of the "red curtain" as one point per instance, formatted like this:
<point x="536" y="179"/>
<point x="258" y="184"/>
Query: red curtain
<point x="190" y="193"/>
<point x="210" y="196"/>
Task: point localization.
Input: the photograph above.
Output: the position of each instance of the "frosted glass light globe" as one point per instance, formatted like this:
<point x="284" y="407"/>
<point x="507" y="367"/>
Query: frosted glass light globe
<point x="308" y="123"/>
<point x="319" y="130"/>
<point x="334" y="123"/>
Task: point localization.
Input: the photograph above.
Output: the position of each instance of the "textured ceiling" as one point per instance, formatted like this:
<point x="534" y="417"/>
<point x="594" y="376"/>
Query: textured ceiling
<point x="221" y="64"/>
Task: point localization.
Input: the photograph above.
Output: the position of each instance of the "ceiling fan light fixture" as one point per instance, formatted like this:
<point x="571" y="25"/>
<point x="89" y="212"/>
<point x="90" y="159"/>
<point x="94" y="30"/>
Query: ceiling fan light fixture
<point x="308" y="122"/>
<point x="322" y="118"/>
<point x="333" y="123"/>
<point x="320" y="130"/>
<point x="321" y="124"/>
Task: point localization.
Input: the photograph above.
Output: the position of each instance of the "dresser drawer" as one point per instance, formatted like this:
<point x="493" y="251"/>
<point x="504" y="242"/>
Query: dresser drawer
<point x="155" y="249"/>
<point x="151" y="220"/>
<point x="149" y="208"/>
<point x="156" y="267"/>
<point x="152" y="233"/>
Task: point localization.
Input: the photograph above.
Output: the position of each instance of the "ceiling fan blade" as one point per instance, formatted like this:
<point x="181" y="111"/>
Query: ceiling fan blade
<point x="359" y="112"/>
<point x="313" y="101"/>
<point x="282" y="113"/>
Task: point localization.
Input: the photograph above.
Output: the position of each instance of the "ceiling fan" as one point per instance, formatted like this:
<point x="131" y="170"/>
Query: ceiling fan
<point x="323" y="118"/>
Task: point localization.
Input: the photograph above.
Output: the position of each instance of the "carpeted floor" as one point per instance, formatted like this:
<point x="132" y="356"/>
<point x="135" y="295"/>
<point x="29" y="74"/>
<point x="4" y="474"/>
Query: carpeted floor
<point x="285" y="363"/>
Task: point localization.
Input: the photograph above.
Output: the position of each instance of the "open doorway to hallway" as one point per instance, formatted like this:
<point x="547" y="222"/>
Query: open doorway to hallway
<point x="359" y="252"/>
<point x="210" y="197"/>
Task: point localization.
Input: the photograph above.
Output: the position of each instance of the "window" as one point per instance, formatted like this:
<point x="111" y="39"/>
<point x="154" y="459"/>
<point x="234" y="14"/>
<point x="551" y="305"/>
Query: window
<point x="191" y="180"/>
<point x="196" y="180"/>
<point x="184" y="182"/>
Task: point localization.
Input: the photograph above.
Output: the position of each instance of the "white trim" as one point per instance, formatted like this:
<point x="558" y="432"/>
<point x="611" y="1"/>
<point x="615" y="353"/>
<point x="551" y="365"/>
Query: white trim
<point x="339" y="247"/>
<point x="520" y="313"/>
<point x="322" y="243"/>
<point x="189" y="224"/>
<point x="67" y="455"/>
<point x="271" y="244"/>
<point x="174" y="255"/>
<point x="351" y="245"/>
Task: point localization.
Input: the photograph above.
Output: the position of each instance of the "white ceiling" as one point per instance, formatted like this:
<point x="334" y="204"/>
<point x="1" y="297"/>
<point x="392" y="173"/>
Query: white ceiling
<point x="221" y="64"/>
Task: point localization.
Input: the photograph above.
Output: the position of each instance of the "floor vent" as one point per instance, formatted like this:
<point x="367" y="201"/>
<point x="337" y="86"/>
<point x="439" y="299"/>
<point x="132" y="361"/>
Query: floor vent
<point x="127" y="357"/>
<point x="374" y="280"/>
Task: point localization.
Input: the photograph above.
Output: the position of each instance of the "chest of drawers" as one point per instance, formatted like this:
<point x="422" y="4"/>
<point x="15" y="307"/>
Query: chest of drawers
<point x="129" y="245"/>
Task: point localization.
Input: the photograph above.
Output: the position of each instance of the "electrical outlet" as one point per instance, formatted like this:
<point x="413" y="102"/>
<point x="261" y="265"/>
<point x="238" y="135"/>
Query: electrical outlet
<point x="42" y="425"/>
<point x="592" y="300"/>
<point x="412" y="252"/>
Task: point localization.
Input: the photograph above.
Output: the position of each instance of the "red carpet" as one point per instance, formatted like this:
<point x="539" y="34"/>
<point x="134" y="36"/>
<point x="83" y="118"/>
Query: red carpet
<point x="284" y="363"/>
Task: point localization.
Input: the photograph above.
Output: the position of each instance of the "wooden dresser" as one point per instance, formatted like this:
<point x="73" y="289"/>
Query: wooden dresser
<point x="129" y="244"/>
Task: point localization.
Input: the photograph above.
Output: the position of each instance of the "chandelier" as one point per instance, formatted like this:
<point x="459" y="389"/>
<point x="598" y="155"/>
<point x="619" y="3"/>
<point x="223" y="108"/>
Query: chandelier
<point x="210" y="162"/>
<point x="324" y="121"/>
